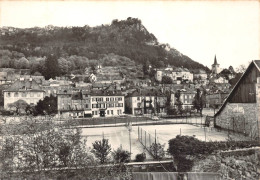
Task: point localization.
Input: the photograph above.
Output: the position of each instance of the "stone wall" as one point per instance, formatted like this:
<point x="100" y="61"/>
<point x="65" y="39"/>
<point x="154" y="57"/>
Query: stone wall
<point x="232" y="164"/>
<point x="240" y="117"/>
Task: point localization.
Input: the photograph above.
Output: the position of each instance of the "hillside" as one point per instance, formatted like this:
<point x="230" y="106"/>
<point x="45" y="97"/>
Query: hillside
<point x="127" y="39"/>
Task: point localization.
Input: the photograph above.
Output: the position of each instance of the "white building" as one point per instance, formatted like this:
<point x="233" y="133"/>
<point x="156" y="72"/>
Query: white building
<point x="107" y="103"/>
<point x="26" y="90"/>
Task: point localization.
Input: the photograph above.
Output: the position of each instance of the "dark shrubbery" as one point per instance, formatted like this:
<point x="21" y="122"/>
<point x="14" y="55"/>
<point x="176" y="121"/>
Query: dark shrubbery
<point x="121" y="156"/>
<point x="140" y="157"/>
<point x="185" y="148"/>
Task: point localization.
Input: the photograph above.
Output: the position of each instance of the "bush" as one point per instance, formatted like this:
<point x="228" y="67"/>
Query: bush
<point x="140" y="157"/>
<point x="157" y="150"/>
<point x="182" y="147"/>
<point x="6" y="112"/>
<point x="121" y="156"/>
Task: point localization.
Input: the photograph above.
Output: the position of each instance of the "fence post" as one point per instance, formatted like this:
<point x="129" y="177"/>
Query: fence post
<point x="155" y="136"/>
<point x="145" y="139"/>
<point x="138" y="134"/>
<point x="141" y="136"/>
<point x="205" y="133"/>
<point x="149" y="140"/>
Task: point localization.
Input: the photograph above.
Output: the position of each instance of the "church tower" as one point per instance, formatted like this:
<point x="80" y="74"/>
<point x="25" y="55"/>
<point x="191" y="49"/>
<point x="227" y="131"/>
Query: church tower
<point x="215" y="67"/>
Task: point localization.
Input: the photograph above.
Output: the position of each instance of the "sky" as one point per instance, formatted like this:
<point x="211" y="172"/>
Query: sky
<point x="199" y="29"/>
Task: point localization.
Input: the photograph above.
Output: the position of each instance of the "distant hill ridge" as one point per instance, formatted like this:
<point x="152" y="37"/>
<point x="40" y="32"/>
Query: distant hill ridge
<point x="127" y="38"/>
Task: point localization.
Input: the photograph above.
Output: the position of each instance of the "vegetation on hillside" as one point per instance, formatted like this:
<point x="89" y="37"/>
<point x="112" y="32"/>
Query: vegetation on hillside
<point x="78" y="47"/>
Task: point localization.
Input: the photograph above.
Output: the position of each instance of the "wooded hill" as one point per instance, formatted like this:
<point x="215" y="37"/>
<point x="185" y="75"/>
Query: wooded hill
<point x="127" y="39"/>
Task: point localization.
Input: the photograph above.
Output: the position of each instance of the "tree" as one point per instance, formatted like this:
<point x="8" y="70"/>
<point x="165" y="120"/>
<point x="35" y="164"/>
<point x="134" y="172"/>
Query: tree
<point x="46" y="106"/>
<point x="19" y="106"/>
<point x="121" y="156"/>
<point x="198" y="102"/>
<point x="166" y="80"/>
<point x="157" y="150"/>
<point x="180" y="148"/>
<point x="241" y="68"/>
<point x="101" y="150"/>
<point x="140" y="157"/>
<point x="32" y="146"/>
<point x="52" y="67"/>
<point x="145" y="67"/>
<point x="178" y="102"/>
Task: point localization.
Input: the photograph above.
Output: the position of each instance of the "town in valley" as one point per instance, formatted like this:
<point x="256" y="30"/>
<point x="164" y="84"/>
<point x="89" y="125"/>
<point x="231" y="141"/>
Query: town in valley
<point x="111" y="102"/>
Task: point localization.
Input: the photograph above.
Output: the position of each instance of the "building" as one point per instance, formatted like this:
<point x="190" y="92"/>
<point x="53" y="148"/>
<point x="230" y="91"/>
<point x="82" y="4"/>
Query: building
<point x="26" y="90"/>
<point x="200" y="74"/>
<point x="177" y="74"/>
<point x="215" y="67"/>
<point x="240" y="111"/>
<point x="215" y="100"/>
<point x="74" y="104"/>
<point x="186" y="97"/>
<point x="145" y="101"/>
<point x="105" y="103"/>
<point x="218" y="80"/>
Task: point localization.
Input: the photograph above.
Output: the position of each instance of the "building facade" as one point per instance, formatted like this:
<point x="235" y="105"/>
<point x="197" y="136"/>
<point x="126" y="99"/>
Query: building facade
<point x="74" y="104"/>
<point x="107" y="103"/>
<point x="26" y="90"/>
<point x="240" y="111"/>
<point x="146" y="101"/>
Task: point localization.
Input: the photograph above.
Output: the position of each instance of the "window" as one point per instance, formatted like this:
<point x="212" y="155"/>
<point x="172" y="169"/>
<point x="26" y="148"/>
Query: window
<point x="112" y="112"/>
<point x="23" y="94"/>
<point x="93" y="105"/>
<point x="95" y="112"/>
<point x="138" y="98"/>
<point x="107" y="99"/>
<point x="86" y="105"/>
<point x="92" y="112"/>
<point x="38" y="94"/>
<point x="16" y="94"/>
<point x="93" y="99"/>
<point x="107" y="112"/>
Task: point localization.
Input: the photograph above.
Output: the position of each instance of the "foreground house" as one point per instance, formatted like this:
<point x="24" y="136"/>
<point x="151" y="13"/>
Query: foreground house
<point x="26" y="90"/>
<point x="240" y="111"/>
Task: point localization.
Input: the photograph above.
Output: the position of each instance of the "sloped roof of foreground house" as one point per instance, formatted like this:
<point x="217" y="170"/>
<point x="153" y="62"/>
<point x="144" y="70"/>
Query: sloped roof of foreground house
<point x="254" y="63"/>
<point x="24" y="85"/>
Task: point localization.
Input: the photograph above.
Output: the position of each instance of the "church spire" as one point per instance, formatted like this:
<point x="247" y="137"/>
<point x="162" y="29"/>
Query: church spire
<point x="215" y="60"/>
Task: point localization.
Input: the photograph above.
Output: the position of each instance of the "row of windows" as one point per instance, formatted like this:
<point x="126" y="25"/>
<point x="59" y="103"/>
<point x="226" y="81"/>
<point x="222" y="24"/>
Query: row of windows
<point x="75" y="106"/>
<point x="108" y="112"/>
<point x="107" y="99"/>
<point x="107" y="105"/>
<point x="23" y="94"/>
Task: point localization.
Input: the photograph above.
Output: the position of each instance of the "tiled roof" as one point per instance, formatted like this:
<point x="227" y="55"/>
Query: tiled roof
<point x="146" y="92"/>
<point x="24" y="85"/>
<point x="105" y="93"/>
